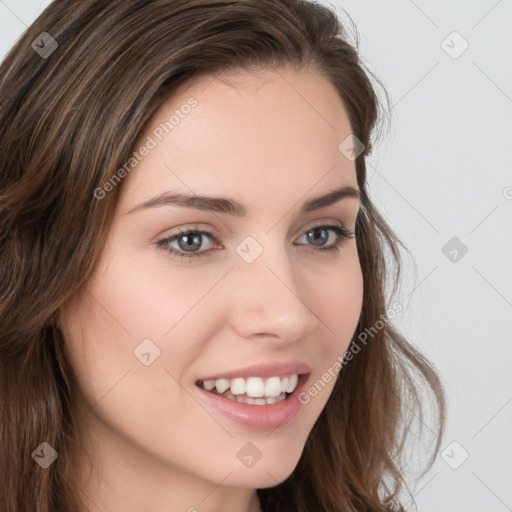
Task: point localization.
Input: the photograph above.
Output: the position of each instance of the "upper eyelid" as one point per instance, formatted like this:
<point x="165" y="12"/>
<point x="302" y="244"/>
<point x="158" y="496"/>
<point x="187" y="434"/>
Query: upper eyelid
<point x="215" y="233"/>
<point x="212" y="233"/>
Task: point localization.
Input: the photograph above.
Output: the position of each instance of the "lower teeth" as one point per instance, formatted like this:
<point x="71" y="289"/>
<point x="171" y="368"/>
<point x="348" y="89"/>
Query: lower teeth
<point x="250" y="400"/>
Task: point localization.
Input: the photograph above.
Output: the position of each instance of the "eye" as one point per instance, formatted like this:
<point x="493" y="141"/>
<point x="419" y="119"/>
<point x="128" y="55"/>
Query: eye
<point x="340" y="233"/>
<point x="187" y="242"/>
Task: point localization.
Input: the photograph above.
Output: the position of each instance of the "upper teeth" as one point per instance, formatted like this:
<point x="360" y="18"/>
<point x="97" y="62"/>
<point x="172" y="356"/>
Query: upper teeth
<point x="254" y="386"/>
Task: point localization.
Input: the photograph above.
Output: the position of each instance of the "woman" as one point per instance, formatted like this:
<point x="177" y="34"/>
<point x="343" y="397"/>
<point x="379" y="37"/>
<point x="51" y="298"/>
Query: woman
<point x="193" y="273"/>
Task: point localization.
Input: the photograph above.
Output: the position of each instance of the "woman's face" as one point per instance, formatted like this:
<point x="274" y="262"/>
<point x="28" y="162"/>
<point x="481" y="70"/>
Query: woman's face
<point x="257" y="287"/>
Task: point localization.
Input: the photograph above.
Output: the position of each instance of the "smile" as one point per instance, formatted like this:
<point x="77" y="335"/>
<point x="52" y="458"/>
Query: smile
<point x="252" y="390"/>
<point x="255" y="402"/>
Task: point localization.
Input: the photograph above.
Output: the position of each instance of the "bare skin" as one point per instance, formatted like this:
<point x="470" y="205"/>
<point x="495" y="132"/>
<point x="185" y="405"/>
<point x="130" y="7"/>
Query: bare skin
<point x="269" y="141"/>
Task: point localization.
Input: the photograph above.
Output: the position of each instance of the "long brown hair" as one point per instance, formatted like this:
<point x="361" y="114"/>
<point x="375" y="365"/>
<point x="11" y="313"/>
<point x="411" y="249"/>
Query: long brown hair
<point x="71" y="110"/>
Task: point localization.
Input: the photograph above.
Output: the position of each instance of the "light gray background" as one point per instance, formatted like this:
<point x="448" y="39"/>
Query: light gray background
<point x="443" y="171"/>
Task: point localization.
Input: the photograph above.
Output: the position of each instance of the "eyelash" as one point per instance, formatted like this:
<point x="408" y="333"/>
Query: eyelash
<point x="341" y="233"/>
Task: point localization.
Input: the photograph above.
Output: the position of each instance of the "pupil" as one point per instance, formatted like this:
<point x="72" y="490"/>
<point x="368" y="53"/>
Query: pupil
<point x="195" y="244"/>
<point x="315" y="239"/>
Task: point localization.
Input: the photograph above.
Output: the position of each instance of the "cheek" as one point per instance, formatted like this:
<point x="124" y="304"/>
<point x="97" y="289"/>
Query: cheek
<point x="152" y="295"/>
<point x="106" y="326"/>
<point x="337" y="297"/>
<point x="177" y="307"/>
<point x="134" y="308"/>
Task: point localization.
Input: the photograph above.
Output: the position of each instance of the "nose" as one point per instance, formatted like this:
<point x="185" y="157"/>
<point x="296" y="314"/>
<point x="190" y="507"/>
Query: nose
<point x="269" y="299"/>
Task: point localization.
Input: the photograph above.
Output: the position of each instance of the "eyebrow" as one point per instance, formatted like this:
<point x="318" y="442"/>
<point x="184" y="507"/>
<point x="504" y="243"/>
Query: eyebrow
<point x="233" y="207"/>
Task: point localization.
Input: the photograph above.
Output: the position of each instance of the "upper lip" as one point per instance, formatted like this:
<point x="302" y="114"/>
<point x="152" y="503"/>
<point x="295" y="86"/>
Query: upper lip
<point x="264" y="370"/>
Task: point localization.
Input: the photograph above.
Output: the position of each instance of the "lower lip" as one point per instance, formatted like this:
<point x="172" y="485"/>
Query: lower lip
<point x="268" y="416"/>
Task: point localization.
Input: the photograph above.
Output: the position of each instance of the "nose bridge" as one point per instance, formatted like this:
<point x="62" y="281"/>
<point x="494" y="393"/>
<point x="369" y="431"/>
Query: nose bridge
<point x="268" y="296"/>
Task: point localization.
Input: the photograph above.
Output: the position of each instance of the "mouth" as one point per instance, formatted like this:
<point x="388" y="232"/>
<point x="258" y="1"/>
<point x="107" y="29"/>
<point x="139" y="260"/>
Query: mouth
<point x="256" y="402"/>
<point x="254" y="390"/>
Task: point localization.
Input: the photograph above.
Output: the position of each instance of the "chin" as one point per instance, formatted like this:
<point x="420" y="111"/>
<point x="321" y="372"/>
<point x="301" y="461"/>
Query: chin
<point x="261" y="475"/>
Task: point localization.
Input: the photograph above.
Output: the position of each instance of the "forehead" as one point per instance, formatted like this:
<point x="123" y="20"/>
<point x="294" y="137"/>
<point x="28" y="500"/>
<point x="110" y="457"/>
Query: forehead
<point x="271" y="133"/>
